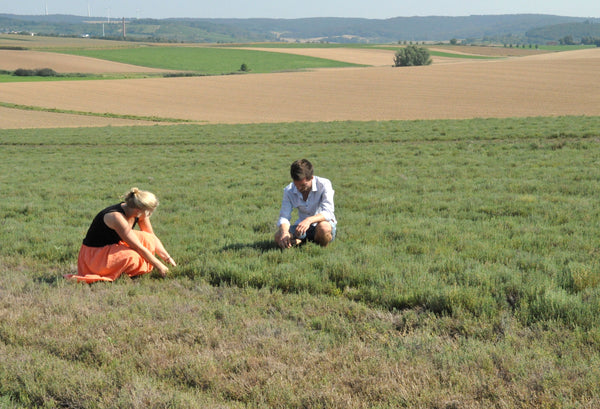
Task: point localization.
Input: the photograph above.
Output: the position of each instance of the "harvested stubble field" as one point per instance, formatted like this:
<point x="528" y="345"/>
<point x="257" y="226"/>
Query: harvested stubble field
<point x="13" y="59"/>
<point x="548" y="84"/>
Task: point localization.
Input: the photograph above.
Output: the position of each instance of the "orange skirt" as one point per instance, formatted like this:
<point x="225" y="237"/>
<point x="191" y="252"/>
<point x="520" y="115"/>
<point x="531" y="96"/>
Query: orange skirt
<point x="109" y="262"/>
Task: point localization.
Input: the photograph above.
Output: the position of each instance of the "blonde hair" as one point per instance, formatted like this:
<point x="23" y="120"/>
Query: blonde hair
<point x="141" y="199"/>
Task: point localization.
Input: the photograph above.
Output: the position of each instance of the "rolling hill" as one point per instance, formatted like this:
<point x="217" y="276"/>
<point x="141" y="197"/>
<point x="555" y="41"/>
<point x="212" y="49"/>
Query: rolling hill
<point x="484" y="28"/>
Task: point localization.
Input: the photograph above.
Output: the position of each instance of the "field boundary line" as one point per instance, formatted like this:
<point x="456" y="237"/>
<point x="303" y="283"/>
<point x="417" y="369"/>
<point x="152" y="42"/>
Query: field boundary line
<point x="97" y="114"/>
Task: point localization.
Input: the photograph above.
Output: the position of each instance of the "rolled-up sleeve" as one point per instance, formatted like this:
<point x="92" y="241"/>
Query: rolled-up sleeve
<point x="326" y="206"/>
<point x="285" y="214"/>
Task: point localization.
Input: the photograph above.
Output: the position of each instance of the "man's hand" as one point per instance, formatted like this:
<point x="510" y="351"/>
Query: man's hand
<point x="303" y="227"/>
<point x="285" y="241"/>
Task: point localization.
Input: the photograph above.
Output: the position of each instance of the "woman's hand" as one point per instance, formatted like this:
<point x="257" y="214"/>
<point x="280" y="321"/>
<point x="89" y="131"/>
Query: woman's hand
<point x="162" y="269"/>
<point x="169" y="260"/>
<point x="162" y="253"/>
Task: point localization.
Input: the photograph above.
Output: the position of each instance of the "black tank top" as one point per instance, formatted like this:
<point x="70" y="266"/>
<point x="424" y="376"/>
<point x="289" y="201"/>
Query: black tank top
<point x="99" y="234"/>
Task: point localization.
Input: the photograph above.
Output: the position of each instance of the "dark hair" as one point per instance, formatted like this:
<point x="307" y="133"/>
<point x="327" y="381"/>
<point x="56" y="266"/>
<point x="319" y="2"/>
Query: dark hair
<point x="301" y="169"/>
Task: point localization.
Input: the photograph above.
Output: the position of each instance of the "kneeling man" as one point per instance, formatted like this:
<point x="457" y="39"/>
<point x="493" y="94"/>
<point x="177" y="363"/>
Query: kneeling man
<point x="313" y="197"/>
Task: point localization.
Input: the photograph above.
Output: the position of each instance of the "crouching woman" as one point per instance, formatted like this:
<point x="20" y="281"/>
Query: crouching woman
<point x="112" y="247"/>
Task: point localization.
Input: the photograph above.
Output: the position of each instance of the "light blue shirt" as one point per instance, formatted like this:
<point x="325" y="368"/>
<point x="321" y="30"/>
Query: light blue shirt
<point x="319" y="201"/>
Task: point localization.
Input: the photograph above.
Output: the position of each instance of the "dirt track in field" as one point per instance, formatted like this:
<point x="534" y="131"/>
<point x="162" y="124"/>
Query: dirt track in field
<point x="550" y="84"/>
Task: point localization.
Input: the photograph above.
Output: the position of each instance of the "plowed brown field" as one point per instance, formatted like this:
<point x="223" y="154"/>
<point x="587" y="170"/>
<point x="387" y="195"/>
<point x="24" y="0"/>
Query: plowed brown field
<point x="551" y="84"/>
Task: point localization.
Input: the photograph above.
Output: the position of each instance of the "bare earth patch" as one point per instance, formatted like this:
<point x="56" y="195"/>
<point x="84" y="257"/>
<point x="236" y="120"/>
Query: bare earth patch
<point x="385" y="58"/>
<point x="362" y="56"/>
<point x="488" y="51"/>
<point x="552" y="84"/>
<point x="11" y="60"/>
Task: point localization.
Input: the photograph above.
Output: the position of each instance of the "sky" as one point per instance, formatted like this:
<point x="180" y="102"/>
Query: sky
<point x="290" y="9"/>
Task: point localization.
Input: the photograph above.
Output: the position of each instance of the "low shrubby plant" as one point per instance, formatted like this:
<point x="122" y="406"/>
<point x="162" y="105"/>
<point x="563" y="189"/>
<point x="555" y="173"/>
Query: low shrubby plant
<point x="412" y="55"/>
<point x="39" y="72"/>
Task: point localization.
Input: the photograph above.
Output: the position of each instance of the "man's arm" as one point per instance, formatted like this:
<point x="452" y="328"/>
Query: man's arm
<point x="326" y="206"/>
<point x="285" y="214"/>
<point x="283" y="236"/>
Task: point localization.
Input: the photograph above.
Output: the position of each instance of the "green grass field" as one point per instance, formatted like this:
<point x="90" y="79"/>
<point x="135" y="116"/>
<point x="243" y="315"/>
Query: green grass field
<point x="209" y="60"/>
<point x="465" y="273"/>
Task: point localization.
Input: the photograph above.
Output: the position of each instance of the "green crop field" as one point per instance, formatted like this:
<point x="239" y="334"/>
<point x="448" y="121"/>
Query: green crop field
<point x="465" y="273"/>
<point x="208" y="60"/>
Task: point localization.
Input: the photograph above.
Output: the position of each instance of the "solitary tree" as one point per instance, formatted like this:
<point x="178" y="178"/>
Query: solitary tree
<point x="412" y="56"/>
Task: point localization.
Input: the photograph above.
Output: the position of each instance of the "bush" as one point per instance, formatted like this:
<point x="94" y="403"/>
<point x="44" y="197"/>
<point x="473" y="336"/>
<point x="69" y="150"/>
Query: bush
<point x="412" y="56"/>
<point x="46" y="72"/>
<point x="40" y="72"/>
<point x="22" y="72"/>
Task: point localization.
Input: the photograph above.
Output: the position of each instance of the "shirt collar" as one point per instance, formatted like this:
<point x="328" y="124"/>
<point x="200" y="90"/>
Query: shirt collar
<point x="313" y="188"/>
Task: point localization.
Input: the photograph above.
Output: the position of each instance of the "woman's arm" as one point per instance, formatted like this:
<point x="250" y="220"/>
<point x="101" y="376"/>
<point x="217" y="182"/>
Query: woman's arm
<point x="118" y="223"/>
<point x="145" y="225"/>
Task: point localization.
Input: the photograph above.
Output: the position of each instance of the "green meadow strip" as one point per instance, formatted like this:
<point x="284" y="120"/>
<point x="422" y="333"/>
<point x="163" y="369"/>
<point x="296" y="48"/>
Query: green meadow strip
<point x="95" y="114"/>
<point x="210" y="60"/>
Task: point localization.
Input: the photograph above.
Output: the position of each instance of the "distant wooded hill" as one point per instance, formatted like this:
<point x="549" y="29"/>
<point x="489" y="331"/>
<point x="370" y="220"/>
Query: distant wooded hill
<point x="516" y="28"/>
<point x="578" y="32"/>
